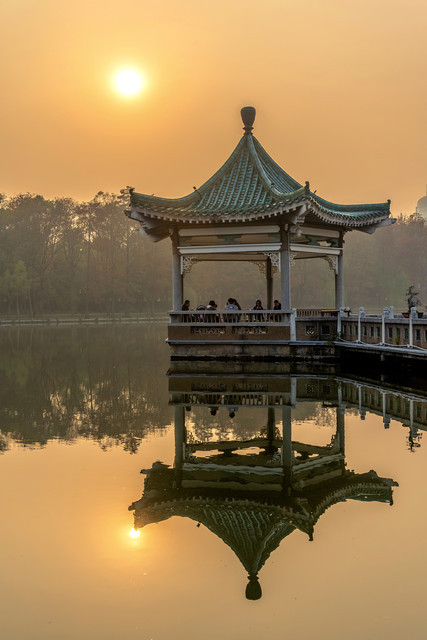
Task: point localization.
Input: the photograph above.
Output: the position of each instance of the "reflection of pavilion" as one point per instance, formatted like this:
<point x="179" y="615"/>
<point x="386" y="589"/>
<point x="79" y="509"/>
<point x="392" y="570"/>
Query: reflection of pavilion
<point x="254" y="493"/>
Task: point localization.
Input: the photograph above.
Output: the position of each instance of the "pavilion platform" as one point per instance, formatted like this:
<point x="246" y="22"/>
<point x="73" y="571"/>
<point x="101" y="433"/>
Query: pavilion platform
<point x="320" y="335"/>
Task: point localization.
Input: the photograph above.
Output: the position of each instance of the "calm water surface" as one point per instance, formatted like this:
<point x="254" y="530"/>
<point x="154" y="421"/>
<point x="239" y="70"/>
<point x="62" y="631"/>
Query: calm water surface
<point x="223" y="551"/>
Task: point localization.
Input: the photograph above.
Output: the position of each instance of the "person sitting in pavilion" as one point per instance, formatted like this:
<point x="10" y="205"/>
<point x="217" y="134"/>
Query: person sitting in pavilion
<point x="231" y="306"/>
<point x="257" y="307"/>
<point x="186" y="307"/>
<point x="277" y="307"/>
<point x="212" y="306"/>
<point x="200" y="317"/>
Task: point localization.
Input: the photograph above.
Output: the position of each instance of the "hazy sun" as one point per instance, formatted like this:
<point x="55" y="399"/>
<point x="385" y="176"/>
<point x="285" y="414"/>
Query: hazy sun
<point x="129" y="82"/>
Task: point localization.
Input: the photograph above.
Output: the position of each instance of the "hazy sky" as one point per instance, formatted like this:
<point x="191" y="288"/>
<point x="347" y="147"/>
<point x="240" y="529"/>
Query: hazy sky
<point x="339" y="87"/>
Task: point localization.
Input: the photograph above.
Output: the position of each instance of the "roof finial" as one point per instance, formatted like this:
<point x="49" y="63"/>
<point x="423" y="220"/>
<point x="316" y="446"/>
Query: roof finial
<point x="253" y="588"/>
<point x="248" y="117"/>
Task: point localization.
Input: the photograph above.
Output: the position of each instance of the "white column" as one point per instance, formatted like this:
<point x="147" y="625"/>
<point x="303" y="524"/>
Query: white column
<point x="176" y="274"/>
<point x="287" y="447"/>
<point x="383" y="319"/>
<point x="339" y="282"/>
<point x="386" y="419"/>
<point x="340" y="414"/>
<point x="269" y="278"/>
<point x="271" y="426"/>
<point x="285" y="270"/>
<point x="412" y="315"/>
<point x="179" y="442"/>
<point x="293" y="325"/>
<point x="339" y="320"/>
<point x="362" y="411"/>
<point x="413" y="430"/>
<point x="293" y="391"/>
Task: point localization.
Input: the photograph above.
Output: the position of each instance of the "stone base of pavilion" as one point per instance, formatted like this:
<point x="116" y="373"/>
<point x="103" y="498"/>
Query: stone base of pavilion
<point x="244" y="343"/>
<point x="252" y="351"/>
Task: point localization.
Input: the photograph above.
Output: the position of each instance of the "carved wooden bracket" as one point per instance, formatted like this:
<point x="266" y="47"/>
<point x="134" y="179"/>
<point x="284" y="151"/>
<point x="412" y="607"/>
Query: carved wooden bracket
<point x="275" y="260"/>
<point x="187" y="263"/>
<point x="332" y="262"/>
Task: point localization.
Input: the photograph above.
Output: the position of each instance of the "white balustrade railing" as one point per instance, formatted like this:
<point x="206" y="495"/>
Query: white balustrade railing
<point x="387" y="329"/>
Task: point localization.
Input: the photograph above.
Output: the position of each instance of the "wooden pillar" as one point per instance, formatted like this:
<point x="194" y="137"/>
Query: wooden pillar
<point x="287" y="447"/>
<point x="176" y="274"/>
<point x="285" y="270"/>
<point x="269" y="277"/>
<point x="341" y="420"/>
<point x="339" y="282"/>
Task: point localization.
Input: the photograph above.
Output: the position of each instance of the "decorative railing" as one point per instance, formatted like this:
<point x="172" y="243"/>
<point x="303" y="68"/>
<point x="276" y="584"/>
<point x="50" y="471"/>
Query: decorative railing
<point x="242" y="317"/>
<point x="326" y="325"/>
<point x="317" y="313"/>
<point x="385" y="330"/>
<point x="230" y="321"/>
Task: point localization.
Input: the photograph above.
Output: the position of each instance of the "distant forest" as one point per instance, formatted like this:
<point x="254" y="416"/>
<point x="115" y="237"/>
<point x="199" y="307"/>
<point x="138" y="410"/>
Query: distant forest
<point x="61" y="256"/>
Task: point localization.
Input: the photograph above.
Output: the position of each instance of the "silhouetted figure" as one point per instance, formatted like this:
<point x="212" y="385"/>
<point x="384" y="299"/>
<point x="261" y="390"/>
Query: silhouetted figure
<point x="186" y="307"/>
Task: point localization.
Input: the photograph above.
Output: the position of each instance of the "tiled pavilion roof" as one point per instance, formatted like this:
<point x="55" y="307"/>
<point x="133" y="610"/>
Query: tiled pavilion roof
<point x="250" y="186"/>
<point x="253" y="529"/>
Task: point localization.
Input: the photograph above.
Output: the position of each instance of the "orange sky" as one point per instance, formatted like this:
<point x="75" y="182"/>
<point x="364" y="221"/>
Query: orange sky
<point x="339" y="87"/>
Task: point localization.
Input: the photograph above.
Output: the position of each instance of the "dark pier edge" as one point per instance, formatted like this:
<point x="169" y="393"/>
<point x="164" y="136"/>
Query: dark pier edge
<point x="390" y="369"/>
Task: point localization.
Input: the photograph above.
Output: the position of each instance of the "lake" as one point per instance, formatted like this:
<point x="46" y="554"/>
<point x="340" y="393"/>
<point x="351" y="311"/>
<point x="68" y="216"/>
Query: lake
<point x="270" y="505"/>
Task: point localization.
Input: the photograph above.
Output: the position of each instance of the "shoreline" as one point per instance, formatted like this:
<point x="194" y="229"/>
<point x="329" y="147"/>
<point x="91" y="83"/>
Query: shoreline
<point x="79" y="320"/>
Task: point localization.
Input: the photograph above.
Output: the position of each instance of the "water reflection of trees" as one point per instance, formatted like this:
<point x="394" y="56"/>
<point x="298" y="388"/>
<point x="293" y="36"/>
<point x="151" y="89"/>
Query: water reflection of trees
<point x="106" y="383"/>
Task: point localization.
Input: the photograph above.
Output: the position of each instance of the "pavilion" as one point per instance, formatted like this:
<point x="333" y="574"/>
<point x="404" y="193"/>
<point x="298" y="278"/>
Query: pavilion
<point x="252" y="210"/>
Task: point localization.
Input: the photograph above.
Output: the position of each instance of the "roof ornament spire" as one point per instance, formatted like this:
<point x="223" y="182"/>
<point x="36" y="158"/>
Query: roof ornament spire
<point x="253" y="588"/>
<point x="248" y="117"/>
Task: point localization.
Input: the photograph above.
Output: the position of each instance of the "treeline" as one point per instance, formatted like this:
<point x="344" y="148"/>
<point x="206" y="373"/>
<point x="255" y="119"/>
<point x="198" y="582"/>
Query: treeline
<point x="63" y="256"/>
<point x="66" y="257"/>
<point x="378" y="269"/>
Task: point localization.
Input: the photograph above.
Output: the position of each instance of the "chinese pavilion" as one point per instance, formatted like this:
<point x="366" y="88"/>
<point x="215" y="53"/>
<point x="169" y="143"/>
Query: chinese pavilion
<point x="252" y="210"/>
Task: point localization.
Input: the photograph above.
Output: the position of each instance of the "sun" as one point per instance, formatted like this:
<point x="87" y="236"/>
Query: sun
<point x="129" y="82"/>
